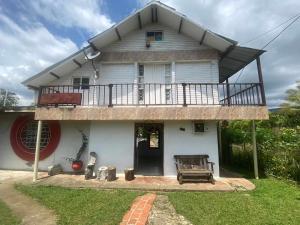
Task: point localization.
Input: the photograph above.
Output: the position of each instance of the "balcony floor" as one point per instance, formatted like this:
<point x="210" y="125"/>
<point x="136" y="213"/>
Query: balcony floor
<point x="154" y="113"/>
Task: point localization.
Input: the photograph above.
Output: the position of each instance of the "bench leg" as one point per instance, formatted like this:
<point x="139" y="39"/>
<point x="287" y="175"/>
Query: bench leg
<point x="211" y="179"/>
<point x="180" y="178"/>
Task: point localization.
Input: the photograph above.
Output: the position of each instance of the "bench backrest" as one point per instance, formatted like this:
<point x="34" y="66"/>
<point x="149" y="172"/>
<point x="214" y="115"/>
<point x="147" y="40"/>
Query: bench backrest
<point x="192" y="161"/>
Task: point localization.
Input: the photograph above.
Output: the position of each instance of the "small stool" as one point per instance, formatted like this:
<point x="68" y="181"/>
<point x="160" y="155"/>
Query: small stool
<point x="111" y="175"/>
<point x="129" y="174"/>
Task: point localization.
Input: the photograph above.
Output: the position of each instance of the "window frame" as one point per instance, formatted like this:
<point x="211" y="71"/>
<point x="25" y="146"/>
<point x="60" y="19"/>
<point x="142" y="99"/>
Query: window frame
<point x="154" y="35"/>
<point x="81" y="86"/>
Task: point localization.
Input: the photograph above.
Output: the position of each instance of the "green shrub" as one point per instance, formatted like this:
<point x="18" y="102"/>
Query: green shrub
<point x="278" y="145"/>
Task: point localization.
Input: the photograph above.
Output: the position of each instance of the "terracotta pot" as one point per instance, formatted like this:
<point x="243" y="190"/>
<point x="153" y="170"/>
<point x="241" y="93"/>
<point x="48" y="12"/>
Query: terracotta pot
<point x="77" y="165"/>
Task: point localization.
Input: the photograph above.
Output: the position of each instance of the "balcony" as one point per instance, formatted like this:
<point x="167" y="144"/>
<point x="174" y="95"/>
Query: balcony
<point x="179" y="94"/>
<point x="152" y="102"/>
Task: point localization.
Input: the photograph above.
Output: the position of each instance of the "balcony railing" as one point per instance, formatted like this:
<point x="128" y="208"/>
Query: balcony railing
<point x="184" y="94"/>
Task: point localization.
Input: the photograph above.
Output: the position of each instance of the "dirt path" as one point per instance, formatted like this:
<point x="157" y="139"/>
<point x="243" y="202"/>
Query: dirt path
<point x="28" y="210"/>
<point x="163" y="212"/>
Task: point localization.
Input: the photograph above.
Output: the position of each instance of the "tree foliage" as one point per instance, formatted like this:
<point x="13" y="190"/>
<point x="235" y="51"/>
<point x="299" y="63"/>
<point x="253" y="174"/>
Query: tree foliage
<point x="278" y="144"/>
<point x="292" y="100"/>
<point x="8" y="98"/>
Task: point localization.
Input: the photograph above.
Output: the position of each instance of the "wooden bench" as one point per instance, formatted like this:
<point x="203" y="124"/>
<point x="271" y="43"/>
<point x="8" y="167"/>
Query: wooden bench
<point x="194" y="168"/>
<point x="56" y="99"/>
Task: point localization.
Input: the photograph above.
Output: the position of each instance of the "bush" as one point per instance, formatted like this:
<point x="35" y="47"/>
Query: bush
<point x="278" y="145"/>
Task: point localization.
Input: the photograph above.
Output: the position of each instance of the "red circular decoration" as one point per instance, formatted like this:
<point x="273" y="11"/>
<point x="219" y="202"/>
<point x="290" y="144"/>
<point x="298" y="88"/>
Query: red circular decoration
<point x="21" y="149"/>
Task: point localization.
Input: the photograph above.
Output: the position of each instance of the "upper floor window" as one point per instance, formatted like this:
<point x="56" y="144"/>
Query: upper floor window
<point x="81" y="82"/>
<point x="154" y="35"/>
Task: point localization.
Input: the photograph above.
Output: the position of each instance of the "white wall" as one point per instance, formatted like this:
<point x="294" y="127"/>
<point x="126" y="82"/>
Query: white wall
<point x="136" y="41"/>
<point x="69" y="145"/>
<point x="178" y="142"/>
<point x="114" y="144"/>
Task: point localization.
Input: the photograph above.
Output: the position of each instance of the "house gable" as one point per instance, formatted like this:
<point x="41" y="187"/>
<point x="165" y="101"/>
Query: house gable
<point x="172" y="40"/>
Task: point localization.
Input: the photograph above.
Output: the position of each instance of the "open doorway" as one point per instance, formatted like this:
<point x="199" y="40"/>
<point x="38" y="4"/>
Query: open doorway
<point x="148" y="153"/>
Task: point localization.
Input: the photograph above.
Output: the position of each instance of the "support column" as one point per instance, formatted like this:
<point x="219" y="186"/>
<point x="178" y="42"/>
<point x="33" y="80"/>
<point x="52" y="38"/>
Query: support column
<point x="220" y="141"/>
<point x="255" y="164"/>
<point x="261" y="81"/>
<point x="37" y="151"/>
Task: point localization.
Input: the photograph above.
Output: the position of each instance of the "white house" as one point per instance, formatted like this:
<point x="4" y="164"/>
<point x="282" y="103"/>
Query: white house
<point x="148" y="88"/>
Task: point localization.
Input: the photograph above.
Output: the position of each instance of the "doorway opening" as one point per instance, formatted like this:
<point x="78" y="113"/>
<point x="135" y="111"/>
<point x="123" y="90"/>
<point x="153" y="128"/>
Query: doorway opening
<point x="148" y="153"/>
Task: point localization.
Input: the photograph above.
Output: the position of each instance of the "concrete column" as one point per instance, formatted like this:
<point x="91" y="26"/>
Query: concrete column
<point x="37" y="151"/>
<point x="255" y="164"/>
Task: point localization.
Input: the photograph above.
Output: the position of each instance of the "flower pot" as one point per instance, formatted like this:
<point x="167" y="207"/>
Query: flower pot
<point x="77" y="165"/>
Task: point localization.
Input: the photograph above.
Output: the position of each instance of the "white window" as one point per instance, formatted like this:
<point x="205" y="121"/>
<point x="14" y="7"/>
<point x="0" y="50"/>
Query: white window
<point x="81" y="83"/>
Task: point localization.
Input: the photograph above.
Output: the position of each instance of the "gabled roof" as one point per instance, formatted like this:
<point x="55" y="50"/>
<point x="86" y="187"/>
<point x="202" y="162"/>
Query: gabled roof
<point x="233" y="57"/>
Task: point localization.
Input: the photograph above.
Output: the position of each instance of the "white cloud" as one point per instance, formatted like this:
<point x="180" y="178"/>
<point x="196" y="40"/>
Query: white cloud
<point x="84" y="14"/>
<point x="26" y="51"/>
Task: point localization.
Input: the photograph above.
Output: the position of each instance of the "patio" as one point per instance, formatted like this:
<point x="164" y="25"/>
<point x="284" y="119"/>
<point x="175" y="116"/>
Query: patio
<point x="229" y="183"/>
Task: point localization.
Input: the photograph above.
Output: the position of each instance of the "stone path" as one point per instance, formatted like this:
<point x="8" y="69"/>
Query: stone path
<point x="163" y="212"/>
<point x="28" y="210"/>
<point x="139" y="211"/>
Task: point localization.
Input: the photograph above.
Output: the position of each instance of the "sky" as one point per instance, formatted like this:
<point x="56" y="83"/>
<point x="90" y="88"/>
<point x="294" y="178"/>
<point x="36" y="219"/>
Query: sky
<point x="35" y="34"/>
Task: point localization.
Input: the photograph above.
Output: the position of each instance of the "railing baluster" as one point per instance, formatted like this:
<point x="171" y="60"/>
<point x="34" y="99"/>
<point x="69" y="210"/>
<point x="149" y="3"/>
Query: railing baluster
<point x="212" y="92"/>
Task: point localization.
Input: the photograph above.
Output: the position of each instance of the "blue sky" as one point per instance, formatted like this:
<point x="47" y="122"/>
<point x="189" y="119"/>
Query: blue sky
<point x="37" y="33"/>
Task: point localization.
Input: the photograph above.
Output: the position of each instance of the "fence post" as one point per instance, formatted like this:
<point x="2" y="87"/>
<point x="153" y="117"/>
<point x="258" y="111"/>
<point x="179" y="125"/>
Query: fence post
<point x="110" y="86"/>
<point x="184" y="94"/>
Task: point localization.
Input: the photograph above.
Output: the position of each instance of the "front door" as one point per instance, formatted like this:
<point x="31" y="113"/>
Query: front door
<point x="148" y="154"/>
<point x="155" y="76"/>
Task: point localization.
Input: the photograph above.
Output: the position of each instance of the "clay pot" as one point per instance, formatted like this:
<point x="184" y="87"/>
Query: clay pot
<point x="77" y="165"/>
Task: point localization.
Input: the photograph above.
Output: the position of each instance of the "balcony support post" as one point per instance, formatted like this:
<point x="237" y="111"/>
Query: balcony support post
<point x="261" y="81"/>
<point x="184" y="94"/>
<point x="110" y="86"/>
<point x="228" y="92"/>
<point x="255" y="163"/>
<point x="37" y="151"/>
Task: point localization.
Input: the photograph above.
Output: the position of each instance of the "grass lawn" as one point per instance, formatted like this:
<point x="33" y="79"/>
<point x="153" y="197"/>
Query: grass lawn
<point x="6" y="216"/>
<point x="83" y="206"/>
<point x="273" y="202"/>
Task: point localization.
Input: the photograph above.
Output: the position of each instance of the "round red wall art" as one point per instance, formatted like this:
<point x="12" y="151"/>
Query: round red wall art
<point x="23" y="137"/>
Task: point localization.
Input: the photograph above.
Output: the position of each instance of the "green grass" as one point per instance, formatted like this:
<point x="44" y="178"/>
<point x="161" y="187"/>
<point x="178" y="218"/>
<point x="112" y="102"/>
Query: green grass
<point x="273" y="202"/>
<point x="83" y="206"/>
<point x="6" y="216"/>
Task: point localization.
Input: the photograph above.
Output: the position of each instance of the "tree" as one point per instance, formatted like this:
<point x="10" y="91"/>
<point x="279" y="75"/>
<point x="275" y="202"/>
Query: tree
<point x="293" y="98"/>
<point x="8" y="99"/>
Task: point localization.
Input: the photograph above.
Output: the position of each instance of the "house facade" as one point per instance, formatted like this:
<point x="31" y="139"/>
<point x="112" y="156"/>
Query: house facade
<point x="153" y="86"/>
